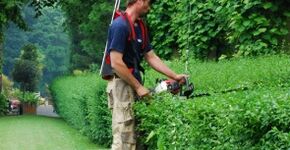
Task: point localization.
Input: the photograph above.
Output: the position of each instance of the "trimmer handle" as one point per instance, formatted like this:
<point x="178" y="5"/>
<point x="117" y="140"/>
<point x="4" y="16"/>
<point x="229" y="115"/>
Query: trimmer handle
<point x="187" y="88"/>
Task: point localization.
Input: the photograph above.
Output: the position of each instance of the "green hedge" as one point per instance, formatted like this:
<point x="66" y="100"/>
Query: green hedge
<point x="3" y="104"/>
<point x="81" y="101"/>
<point x="240" y="119"/>
<point x="256" y="119"/>
<point x="211" y="77"/>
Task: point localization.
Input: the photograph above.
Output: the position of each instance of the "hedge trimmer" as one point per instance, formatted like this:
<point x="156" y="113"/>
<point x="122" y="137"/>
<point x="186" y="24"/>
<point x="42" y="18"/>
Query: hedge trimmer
<point x="187" y="89"/>
<point x="172" y="86"/>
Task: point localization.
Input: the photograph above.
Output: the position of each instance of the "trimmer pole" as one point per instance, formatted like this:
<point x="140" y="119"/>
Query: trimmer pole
<point x="188" y="41"/>
<point x="116" y="7"/>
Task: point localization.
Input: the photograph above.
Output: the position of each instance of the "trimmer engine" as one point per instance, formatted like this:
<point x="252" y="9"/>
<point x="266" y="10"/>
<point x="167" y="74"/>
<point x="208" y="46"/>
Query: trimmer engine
<point x="172" y="86"/>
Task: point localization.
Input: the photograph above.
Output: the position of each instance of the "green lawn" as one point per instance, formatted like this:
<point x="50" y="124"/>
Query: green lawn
<point x="40" y="133"/>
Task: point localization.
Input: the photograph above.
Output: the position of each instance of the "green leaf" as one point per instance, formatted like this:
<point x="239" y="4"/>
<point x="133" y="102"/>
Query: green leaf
<point x="218" y="8"/>
<point x="284" y="31"/>
<point x="204" y="39"/>
<point x="267" y="5"/>
<point x="287" y="14"/>
<point x="259" y="31"/>
<point x="274" y="41"/>
<point x="152" y="133"/>
<point x="274" y="30"/>
<point x="241" y="29"/>
<point x="246" y="23"/>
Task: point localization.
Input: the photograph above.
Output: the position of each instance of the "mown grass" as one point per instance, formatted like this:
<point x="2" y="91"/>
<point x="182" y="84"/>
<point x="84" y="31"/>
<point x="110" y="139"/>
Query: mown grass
<point x="40" y="133"/>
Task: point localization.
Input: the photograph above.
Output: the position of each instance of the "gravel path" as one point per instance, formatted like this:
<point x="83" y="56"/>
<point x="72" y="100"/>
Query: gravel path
<point x="46" y="110"/>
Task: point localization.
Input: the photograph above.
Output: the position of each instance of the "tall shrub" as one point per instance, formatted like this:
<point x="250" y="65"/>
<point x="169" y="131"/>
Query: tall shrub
<point x="81" y="100"/>
<point x="3" y="104"/>
<point x="27" y="69"/>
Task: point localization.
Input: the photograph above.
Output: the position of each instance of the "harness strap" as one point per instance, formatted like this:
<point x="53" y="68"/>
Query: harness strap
<point x="132" y="32"/>
<point x="144" y="33"/>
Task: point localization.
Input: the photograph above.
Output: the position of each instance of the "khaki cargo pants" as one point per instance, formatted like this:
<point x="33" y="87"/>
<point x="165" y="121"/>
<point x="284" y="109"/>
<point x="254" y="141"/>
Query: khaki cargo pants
<point x="120" y="101"/>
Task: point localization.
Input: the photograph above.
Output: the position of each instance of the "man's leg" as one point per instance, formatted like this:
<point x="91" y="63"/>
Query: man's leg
<point x="123" y="123"/>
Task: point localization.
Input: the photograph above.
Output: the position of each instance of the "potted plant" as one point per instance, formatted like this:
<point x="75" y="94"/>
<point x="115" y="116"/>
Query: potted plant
<point x="28" y="100"/>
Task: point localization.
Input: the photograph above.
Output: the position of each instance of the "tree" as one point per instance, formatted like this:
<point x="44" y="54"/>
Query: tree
<point x="53" y="41"/>
<point x="88" y="30"/>
<point x="48" y="34"/>
<point x="27" y="70"/>
<point x="11" y="11"/>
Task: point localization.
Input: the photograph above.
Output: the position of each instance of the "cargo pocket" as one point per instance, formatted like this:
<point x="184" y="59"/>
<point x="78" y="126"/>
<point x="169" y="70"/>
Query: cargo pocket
<point x="110" y="96"/>
<point x="128" y="137"/>
<point x="124" y="113"/>
<point x="110" y="100"/>
<point x="124" y="92"/>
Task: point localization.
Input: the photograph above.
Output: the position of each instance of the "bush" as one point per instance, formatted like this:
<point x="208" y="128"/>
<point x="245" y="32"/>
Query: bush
<point x="239" y="120"/>
<point x="212" y="77"/>
<point x="236" y="120"/>
<point x="82" y="102"/>
<point x="243" y="119"/>
<point x="7" y="85"/>
<point x="3" y="104"/>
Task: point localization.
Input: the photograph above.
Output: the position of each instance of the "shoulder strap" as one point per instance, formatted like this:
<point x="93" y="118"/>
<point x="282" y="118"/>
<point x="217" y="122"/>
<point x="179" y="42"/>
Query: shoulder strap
<point x="132" y="36"/>
<point x="144" y="33"/>
<point x="132" y="40"/>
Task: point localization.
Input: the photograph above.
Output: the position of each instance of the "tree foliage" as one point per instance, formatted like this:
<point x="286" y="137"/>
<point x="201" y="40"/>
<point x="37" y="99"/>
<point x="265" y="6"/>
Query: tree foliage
<point x="7" y="85"/>
<point x="27" y="69"/>
<point x="11" y="11"/>
<point x="88" y="30"/>
<point x="48" y="34"/>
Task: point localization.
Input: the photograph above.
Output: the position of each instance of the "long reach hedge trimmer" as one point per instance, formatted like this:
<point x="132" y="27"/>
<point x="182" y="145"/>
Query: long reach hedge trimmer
<point x="172" y="86"/>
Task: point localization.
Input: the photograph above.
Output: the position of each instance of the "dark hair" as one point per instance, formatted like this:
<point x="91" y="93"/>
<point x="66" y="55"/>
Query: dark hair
<point x="131" y="2"/>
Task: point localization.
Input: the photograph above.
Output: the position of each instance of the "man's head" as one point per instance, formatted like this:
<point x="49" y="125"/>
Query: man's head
<point x="131" y="2"/>
<point x="142" y="5"/>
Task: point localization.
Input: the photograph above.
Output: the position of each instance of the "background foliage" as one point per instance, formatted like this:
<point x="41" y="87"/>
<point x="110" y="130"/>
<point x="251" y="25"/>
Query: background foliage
<point x="87" y="29"/>
<point x="218" y="27"/>
<point x="12" y="12"/>
<point x="48" y="35"/>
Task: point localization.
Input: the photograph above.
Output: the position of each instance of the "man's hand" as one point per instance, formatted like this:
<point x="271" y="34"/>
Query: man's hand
<point x="144" y="94"/>
<point x="180" y="78"/>
<point x="142" y="91"/>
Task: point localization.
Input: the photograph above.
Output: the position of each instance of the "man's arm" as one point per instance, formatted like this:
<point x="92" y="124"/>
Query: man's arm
<point x="123" y="72"/>
<point x="156" y="63"/>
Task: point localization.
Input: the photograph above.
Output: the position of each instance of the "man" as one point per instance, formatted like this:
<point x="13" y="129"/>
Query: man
<point x="127" y="84"/>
